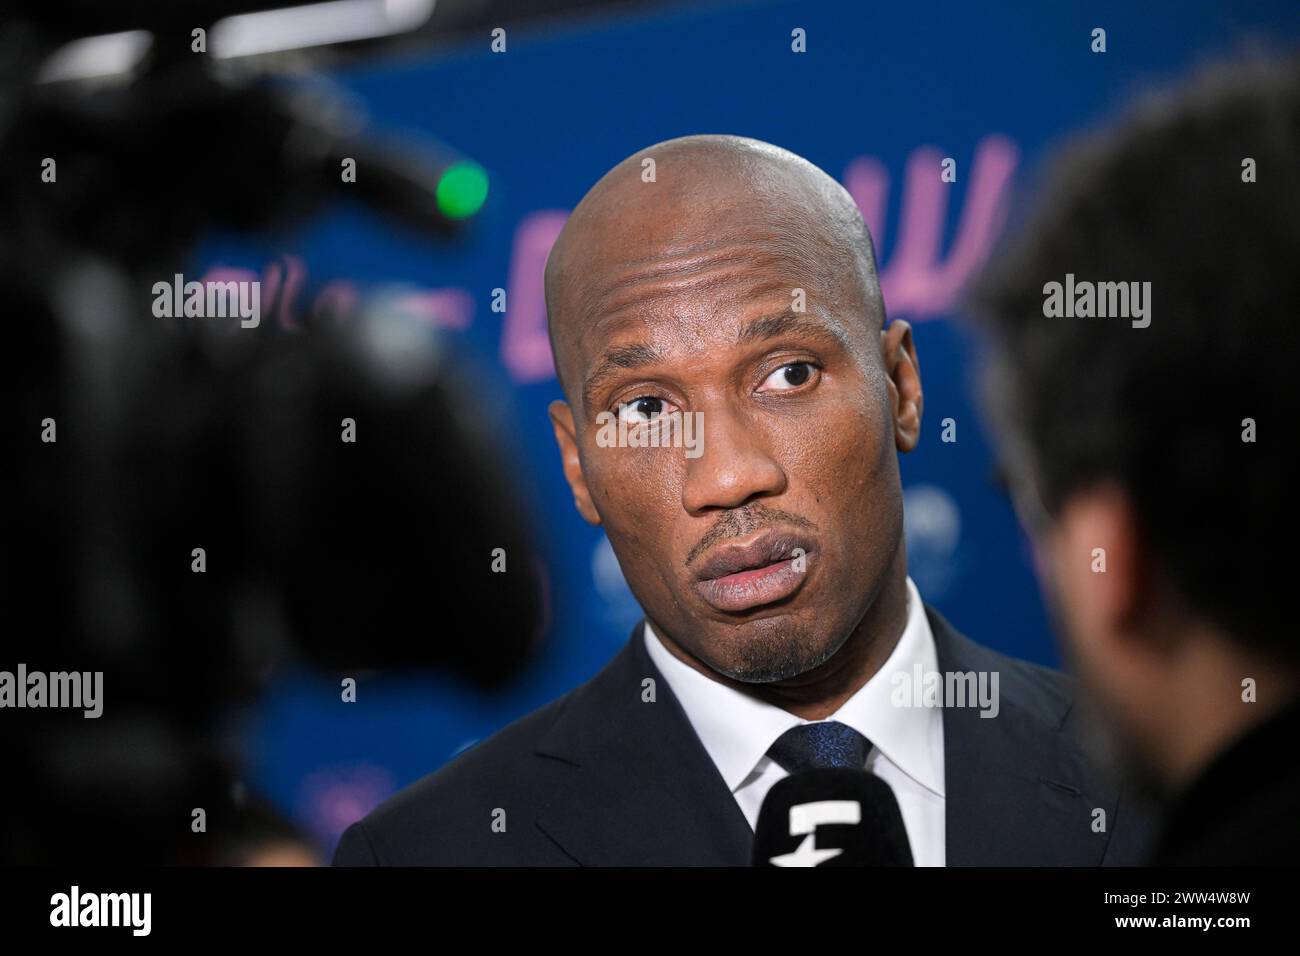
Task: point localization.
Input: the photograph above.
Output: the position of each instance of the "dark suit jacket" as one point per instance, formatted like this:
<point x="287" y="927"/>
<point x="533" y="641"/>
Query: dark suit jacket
<point x="600" y="778"/>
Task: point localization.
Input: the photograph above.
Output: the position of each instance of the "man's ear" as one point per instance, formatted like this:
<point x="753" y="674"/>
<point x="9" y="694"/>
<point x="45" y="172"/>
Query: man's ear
<point x="904" y="376"/>
<point x="1095" y="558"/>
<point x="566" y="437"/>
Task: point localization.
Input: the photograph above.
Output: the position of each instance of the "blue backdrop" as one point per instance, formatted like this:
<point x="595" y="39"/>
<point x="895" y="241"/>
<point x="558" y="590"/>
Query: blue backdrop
<point x="879" y="99"/>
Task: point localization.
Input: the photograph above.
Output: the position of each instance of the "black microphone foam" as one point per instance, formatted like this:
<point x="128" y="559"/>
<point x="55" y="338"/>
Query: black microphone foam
<point x="834" y="816"/>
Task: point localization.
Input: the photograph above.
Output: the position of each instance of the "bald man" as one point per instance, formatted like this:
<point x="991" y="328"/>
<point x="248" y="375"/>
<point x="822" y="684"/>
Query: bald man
<point x="734" y="403"/>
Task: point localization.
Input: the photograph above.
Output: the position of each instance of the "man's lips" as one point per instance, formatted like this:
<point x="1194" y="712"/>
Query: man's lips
<point x="736" y="578"/>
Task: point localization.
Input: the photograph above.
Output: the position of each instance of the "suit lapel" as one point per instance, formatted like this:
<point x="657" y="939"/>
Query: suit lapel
<point x="1018" y="791"/>
<point x="629" y="781"/>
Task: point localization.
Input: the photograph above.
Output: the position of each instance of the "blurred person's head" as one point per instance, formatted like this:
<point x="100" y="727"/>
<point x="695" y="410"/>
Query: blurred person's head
<point x="1150" y="457"/>
<point x="735" y="282"/>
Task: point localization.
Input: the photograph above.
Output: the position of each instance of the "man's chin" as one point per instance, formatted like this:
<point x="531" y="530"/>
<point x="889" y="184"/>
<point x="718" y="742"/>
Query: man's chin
<point x="772" y="651"/>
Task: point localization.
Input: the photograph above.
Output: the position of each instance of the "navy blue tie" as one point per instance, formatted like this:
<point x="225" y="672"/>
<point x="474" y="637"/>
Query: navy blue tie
<point x="827" y="743"/>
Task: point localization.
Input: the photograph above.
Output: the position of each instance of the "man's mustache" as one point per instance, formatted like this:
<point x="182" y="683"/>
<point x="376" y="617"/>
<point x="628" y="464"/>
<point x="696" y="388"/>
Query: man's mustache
<point x="744" y="521"/>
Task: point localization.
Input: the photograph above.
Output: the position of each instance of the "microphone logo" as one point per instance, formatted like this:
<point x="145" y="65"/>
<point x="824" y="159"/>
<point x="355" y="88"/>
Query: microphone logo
<point x="804" y="820"/>
<point x="852" y="814"/>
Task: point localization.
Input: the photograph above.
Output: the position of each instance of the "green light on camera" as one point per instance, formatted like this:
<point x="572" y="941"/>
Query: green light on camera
<point x="462" y="190"/>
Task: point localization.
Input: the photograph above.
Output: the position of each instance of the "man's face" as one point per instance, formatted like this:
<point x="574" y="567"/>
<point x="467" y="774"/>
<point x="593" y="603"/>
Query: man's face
<point x="760" y="555"/>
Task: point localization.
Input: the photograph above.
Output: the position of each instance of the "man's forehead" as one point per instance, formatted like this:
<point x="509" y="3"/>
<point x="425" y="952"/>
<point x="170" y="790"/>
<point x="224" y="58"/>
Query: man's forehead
<point x="706" y="233"/>
<point x="692" y="289"/>
<point x="762" y="320"/>
<point x="703" y="275"/>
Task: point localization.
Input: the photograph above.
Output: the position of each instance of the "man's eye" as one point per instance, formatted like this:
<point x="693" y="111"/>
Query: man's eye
<point x="641" y="410"/>
<point x="789" y="376"/>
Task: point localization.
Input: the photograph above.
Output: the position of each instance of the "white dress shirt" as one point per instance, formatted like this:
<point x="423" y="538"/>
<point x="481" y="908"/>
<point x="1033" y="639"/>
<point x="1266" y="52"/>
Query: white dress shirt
<point x="907" y="742"/>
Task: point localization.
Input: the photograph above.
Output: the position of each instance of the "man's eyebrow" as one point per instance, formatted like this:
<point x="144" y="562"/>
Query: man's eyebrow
<point x="789" y="323"/>
<point x="614" y="360"/>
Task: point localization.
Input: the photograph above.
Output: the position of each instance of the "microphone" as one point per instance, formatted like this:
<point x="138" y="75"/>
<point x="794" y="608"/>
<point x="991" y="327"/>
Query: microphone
<point x="831" y="816"/>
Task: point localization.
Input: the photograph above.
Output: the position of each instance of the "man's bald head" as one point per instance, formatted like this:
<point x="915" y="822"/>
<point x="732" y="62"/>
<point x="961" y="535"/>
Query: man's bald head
<point x="707" y="190"/>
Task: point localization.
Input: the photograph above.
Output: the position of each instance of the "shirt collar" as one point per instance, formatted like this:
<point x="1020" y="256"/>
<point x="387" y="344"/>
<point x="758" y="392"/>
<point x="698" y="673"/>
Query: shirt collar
<point x="737" y="729"/>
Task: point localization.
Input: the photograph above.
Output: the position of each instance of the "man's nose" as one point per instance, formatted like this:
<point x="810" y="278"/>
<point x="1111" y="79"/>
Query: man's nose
<point x="735" y="466"/>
